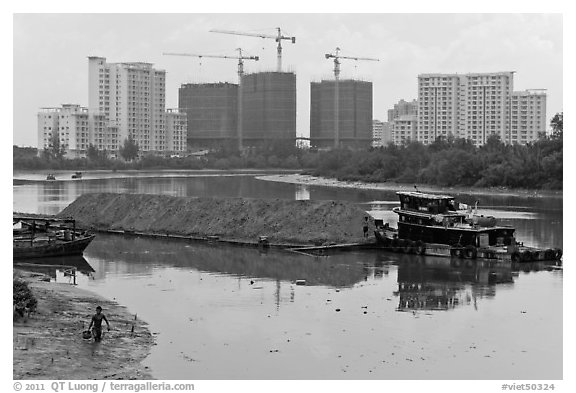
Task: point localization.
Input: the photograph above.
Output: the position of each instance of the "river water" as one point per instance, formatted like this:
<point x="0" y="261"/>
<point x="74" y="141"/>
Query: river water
<point x="222" y="312"/>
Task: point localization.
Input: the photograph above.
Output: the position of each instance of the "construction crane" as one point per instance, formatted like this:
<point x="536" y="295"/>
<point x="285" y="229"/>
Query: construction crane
<point x="336" y="56"/>
<point x="240" y="59"/>
<point x="278" y="38"/>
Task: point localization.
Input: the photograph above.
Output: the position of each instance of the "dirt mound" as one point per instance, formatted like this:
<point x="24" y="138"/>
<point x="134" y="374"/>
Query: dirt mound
<point x="283" y="221"/>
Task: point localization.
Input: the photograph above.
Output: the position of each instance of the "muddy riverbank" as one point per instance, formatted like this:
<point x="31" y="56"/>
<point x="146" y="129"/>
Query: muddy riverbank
<point x="391" y="186"/>
<point x="245" y="219"/>
<point x="49" y="345"/>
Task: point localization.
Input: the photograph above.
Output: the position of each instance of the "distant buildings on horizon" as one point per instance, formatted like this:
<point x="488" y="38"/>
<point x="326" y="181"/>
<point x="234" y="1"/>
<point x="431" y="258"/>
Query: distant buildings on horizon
<point x="470" y="106"/>
<point x="128" y="100"/>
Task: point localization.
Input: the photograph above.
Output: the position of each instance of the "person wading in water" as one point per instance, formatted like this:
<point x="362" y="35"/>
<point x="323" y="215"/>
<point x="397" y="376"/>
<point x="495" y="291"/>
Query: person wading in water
<point x="97" y="321"/>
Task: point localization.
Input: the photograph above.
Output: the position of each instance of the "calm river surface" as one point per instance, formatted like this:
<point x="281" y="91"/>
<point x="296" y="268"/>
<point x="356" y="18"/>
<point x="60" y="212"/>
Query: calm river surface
<point x="236" y="313"/>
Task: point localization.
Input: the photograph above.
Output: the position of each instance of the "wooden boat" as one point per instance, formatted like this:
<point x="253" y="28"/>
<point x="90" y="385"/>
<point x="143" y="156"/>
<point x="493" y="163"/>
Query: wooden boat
<point x="430" y="224"/>
<point x="39" y="237"/>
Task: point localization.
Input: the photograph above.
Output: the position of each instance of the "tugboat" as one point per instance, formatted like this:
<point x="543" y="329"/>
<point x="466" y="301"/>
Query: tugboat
<point x="39" y="237"/>
<point x="430" y="224"/>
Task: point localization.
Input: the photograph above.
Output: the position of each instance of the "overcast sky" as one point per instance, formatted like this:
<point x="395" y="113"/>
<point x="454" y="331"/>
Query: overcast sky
<point x="51" y="50"/>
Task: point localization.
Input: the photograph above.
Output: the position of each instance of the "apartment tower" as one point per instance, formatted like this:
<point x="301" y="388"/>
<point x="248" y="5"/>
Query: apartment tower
<point x="132" y="97"/>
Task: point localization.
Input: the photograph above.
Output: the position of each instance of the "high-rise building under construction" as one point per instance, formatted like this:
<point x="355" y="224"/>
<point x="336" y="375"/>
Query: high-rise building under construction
<point x="268" y="108"/>
<point x="212" y="112"/>
<point x="354" y="113"/>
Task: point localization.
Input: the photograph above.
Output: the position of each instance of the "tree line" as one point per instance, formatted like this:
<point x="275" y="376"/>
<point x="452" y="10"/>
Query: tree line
<point x="455" y="162"/>
<point x="445" y="162"/>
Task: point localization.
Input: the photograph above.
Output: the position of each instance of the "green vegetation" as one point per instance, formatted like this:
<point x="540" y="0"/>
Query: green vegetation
<point x="23" y="298"/>
<point x="446" y="162"/>
<point x="455" y="162"/>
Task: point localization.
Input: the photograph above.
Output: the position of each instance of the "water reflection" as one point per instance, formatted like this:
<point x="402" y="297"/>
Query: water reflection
<point x="429" y="283"/>
<point x="140" y="256"/>
<point x="59" y="269"/>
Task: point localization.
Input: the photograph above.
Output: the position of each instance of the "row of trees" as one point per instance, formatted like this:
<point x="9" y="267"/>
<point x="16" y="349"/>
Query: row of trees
<point x="446" y="162"/>
<point x="455" y="162"/>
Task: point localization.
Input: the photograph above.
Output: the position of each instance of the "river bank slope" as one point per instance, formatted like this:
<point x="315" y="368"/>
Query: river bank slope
<point x="49" y="345"/>
<point x="282" y="221"/>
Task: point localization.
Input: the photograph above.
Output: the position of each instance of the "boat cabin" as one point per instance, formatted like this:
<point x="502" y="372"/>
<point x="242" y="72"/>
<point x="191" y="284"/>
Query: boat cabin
<point x="427" y="203"/>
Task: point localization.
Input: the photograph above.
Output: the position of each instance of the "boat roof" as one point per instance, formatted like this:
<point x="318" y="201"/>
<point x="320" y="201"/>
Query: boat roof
<point x="422" y="195"/>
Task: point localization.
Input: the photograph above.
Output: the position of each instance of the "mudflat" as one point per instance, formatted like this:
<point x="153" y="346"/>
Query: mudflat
<point x="49" y="345"/>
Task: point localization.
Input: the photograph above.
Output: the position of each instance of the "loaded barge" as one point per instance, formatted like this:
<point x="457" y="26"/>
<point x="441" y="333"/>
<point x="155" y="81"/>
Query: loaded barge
<point x="430" y="224"/>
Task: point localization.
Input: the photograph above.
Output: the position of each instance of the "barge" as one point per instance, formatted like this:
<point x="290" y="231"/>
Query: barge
<point x="39" y="237"/>
<point x="436" y="225"/>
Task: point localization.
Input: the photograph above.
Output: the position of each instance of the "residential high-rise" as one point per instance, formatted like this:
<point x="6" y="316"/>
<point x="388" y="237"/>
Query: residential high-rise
<point x="381" y="133"/>
<point x="484" y="105"/>
<point x="472" y="106"/>
<point x="176" y="131"/>
<point x="403" y="108"/>
<point x="377" y="131"/>
<point x="354" y="113"/>
<point x="437" y="106"/>
<point x="268" y="108"/>
<point x="132" y="97"/>
<point x="404" y="129"/>
<point x="212" y="112"/>
<point x="528" y="116"/>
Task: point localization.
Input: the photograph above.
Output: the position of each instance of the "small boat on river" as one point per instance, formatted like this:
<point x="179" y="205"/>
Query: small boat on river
<point x="50" y="177"/>
<point x="39" y="237"/>
<point x="430" y="224"/>
<point x="77" y="175"/>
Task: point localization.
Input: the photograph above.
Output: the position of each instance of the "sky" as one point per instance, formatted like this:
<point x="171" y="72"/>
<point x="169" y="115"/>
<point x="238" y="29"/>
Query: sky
<point x="50" y="65"/>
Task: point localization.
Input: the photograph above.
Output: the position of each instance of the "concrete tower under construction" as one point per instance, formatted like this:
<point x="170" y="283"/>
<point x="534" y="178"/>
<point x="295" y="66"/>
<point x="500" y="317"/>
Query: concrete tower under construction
<point x="269" y="108"/>
<point x="354" y="113"/>
<point x="212" y="113"/>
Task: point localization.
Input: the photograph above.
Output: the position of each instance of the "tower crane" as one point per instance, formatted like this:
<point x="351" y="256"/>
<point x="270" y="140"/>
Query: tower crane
<point x="240" y="59"/>
<point x="278" y="38"/>
<point x="336" y="56"/>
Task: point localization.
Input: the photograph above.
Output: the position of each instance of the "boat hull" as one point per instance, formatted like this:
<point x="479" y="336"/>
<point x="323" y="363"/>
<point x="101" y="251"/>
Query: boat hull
<point x="388" y="240"/>
<point x="52" y="249"/>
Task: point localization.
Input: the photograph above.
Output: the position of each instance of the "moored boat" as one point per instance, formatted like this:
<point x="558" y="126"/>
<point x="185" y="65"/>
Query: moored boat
<point x="39" y="237"/>
<point x="430" y="224"/>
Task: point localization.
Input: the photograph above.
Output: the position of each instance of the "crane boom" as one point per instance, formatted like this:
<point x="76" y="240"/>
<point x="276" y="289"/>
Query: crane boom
<point x="278" y="38"/>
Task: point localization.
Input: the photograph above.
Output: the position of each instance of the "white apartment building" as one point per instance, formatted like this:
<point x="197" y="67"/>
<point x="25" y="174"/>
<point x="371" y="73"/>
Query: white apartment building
<point x="70" y="122"/>
<point x="402" y="108"/>
<point x="381" y="133"/>
<point x="76" y="130"/>
<point x="405" y="129"/>
<point x="176" y="131"/>
<point x="438" y="115"/>
<point x="377" y="130"/>
<point x="484" y="106"/>
<point x="132" y="97"/>
<point x="528" y="116"/>
<point x="477" y="105"/>
<point x="103" y="136"/>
